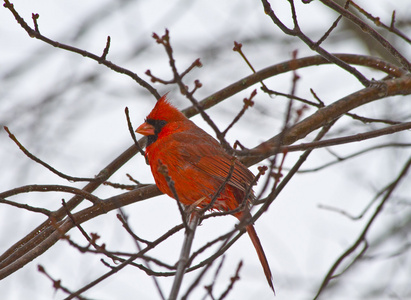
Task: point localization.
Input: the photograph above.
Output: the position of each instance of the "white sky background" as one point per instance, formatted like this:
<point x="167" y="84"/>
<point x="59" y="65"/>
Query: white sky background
<point x="83" y="128"/>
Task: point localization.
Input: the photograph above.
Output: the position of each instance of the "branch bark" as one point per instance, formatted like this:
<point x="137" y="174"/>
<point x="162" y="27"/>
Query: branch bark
<point x="185" y="254"/>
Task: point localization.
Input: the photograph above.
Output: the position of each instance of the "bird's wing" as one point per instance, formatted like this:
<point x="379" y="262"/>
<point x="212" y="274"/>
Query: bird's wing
<point x="206" y="154"/>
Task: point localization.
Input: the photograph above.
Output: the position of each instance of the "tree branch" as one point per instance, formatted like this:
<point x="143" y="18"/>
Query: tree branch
<point x="363" y="234"/>
<point x="184" y="255"/>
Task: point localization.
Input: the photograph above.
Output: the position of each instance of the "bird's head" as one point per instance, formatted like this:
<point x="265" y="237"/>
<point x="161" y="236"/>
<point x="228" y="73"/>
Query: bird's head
<point x="163" y="114"/>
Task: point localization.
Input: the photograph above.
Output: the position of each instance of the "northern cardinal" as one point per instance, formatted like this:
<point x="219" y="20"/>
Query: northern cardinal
<point x="198" y="166"/>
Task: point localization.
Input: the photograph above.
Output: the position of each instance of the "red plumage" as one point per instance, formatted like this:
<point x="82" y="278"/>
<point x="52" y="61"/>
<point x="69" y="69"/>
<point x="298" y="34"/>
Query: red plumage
<point x="198" y="166"/>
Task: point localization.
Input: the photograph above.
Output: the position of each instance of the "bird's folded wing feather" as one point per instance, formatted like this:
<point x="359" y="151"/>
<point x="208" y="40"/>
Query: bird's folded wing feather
<point x="211" y="158"/>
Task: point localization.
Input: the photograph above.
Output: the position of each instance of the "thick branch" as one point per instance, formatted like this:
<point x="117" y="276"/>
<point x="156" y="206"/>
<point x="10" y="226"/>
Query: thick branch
<point x="185" y="254"/>
<point x="400" y="86"/>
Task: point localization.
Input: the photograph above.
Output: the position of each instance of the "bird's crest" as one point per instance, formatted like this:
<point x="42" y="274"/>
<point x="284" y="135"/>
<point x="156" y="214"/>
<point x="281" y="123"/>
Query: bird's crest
<point x="164" y="110"/>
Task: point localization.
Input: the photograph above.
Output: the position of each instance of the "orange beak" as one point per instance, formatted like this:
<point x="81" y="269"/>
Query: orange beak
<point x="145" y="129"/>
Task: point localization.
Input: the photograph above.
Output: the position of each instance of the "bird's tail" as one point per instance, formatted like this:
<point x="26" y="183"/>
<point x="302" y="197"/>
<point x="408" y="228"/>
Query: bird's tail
<point x="261" y="255"/>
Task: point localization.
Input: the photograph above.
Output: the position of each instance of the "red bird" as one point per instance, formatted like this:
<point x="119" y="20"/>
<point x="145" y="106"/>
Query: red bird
<point x="198" y="165"/>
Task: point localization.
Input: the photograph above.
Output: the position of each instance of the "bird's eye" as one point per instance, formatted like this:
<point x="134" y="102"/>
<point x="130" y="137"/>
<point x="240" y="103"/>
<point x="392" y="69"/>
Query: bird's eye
<point x="162" y="123"/>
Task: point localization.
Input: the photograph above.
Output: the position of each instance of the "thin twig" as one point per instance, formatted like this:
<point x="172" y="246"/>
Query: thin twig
<point x="362" y="237"/>
<point x="57" y="283"/>
<point x="43" y="211"/>
<point x="162" y="169"/>
<point x="248" y="102"/>
<point x="146" y="262"/>
<point x="364" y="211"/>
<point x="51" y="188"/>
<point x="228" y="241"/>
<point x="123" y="221"/>
<point x="35" y="33"/>
<point x="125" y="262"/>
<point x="209" y="288"/>
<point x="377" y="22"/>
<point x="92" y="241"/>
<point x="106" y="49"/>
<point x="219" y="190"/>
<point x="296" y="31"/>
<point x="277" y="189"/>
<point x="233" y="280"/>
<point x="39" y="161"/>
<point x="178" y="79"/>
<point x="349" y="139"/>
<point x="133" y="136"/>
<point x="364" y="151"/>
<point x="370" y="31"/>
<point x="238" y="48"/>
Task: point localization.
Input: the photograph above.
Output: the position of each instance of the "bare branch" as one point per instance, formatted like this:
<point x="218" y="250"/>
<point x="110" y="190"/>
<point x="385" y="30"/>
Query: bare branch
<point x="178" y="79"/>
<point x="349" y="139"/>
<point x="163" y="170"/>
<point x="106" y="49"/>
<point x="57" y="283"/>
<point x="248" y="102"/>
<point x="209" y="288"/>
<point x="364" y="27"/>
<point x="238" y="48"/>
<point x="43" y="211"/>
<point x="327" y="114"/>
<point x="35" y="33"/>
<point x="185" y="253"/>
<point x="234" y="279"/>
<point x="132" y="133"/>
<point x="124" y="263"/>
<point x="363" y="234"/>
<point x="366" y="150"/>
<point x="296" y="31"/>
<point x="50" y="188"/>
<point x="39" y="161"/>
<point x="123" y="218"/>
